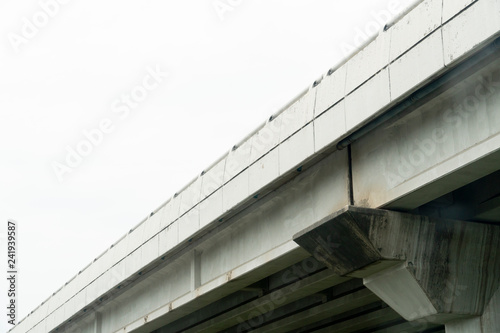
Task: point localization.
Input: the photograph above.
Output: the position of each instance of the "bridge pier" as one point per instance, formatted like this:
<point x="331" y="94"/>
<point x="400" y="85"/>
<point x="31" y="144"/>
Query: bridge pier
<point x="426" y="269"/>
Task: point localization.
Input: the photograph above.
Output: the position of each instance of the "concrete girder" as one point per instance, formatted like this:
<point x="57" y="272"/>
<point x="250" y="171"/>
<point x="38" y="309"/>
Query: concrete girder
<point x="424" y="268"/>
<point x="308" y="286"/>
<point x="323" y="311"/>
<point x="365" y="322"/>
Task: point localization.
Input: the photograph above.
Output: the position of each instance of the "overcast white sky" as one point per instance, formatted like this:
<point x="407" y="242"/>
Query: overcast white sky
<point x="228" y="70"/>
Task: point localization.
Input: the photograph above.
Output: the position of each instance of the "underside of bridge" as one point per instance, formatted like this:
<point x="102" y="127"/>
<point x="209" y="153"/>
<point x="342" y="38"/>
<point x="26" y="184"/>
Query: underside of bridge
<point x="308" y="296"/>
<point x="369" y="204"/>
<point x="304" y="297"/>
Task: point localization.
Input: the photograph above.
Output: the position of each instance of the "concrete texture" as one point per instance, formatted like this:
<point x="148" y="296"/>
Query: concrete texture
<point x="367" y="100"/>
<point x="329" y="126"/>
<point x="414" y="27"/>
<point x="331" y="90"/>
<point x="447" y="269"/>
<point x="387" y="165"/>
<point x="426" y="56"/>
<point x="462" y="35"/>
<point x="430" y="145"/>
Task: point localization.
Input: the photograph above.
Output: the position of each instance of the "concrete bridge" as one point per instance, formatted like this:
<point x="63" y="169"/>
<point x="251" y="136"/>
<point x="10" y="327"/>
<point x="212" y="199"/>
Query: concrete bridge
<point x="371" y="203"/>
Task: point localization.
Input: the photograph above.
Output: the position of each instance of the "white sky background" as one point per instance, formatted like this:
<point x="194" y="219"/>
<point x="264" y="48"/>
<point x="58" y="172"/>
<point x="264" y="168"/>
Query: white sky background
<point x="225" y="78"/>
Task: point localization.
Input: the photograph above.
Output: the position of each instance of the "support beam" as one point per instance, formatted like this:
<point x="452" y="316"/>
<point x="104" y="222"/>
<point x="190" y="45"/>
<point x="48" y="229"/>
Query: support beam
<point x="271" y="301"/>
<point x="320" y="312"/>
<point x="426" y="269"/>
<point x="362" y="322"/>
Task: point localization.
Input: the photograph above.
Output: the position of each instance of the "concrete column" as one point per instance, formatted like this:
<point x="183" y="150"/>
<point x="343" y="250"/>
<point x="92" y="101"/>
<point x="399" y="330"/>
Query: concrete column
<point x="436" y="270"/>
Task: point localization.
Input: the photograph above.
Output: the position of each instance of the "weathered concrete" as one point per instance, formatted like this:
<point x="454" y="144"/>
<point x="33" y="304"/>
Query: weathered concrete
<point x="233" y="224"/>
<point x="444" y="144"/>
<point x="444" y="269"/>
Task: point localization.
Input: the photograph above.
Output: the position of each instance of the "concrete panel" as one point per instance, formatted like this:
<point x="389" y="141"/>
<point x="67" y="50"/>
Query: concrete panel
<point x="38" y="314"/>
<point x="426" y="56"/>
<point x="23" y="326"/>
<point x="63" y="294"/>
<point x="80" y="300"/>
<point x="150" y="250"/>
<point x="474" y="26"/>
<point x="263" y="172"/>
<point x="175" y="204"/>
<point x="235" y="191"/>
<point x="135" y="238"/>
<point x="190" y="196"/>
<point x="110" y="258"/>
<point x="168" y="238"/>
<point x="74" y="305"/>
<point x="368" y="62"/>
<point x="213" y="178"/>
<point x="367" y="100"/>
<point x="54" y="302"/>
<point x="453" y="7"/>
<point x="168" y="284"/>
<point x="465" y="326"/>
<point x="109" y="280"/>
<point x="211" y="208"/>
<point x="41" y="326"/>
<point x="415" y="26"/>
<point x="59" y="317"/>
<point x="429" y="143"/>
<point x="237" y="160"/>
<point x="266" y="138"/>
<point x="116" y="253"/>
<point x="26" y="325"/>
<point x="49" y="323"/>
<point x="133" y="263"/>
<point x="153" y="224"/>
<point x="80" y="281"/>
<point x="166" y="218"/>
<point x="273" y="220"/>
<point x="329" y="126"/>
<point x="189" y="224"/>
<point x="297" y="115"/>
<point x="102" y="263"/>
<point x="296" y="149"/>
<point x="330" y="90"/>
<point x="90" y="292"/>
